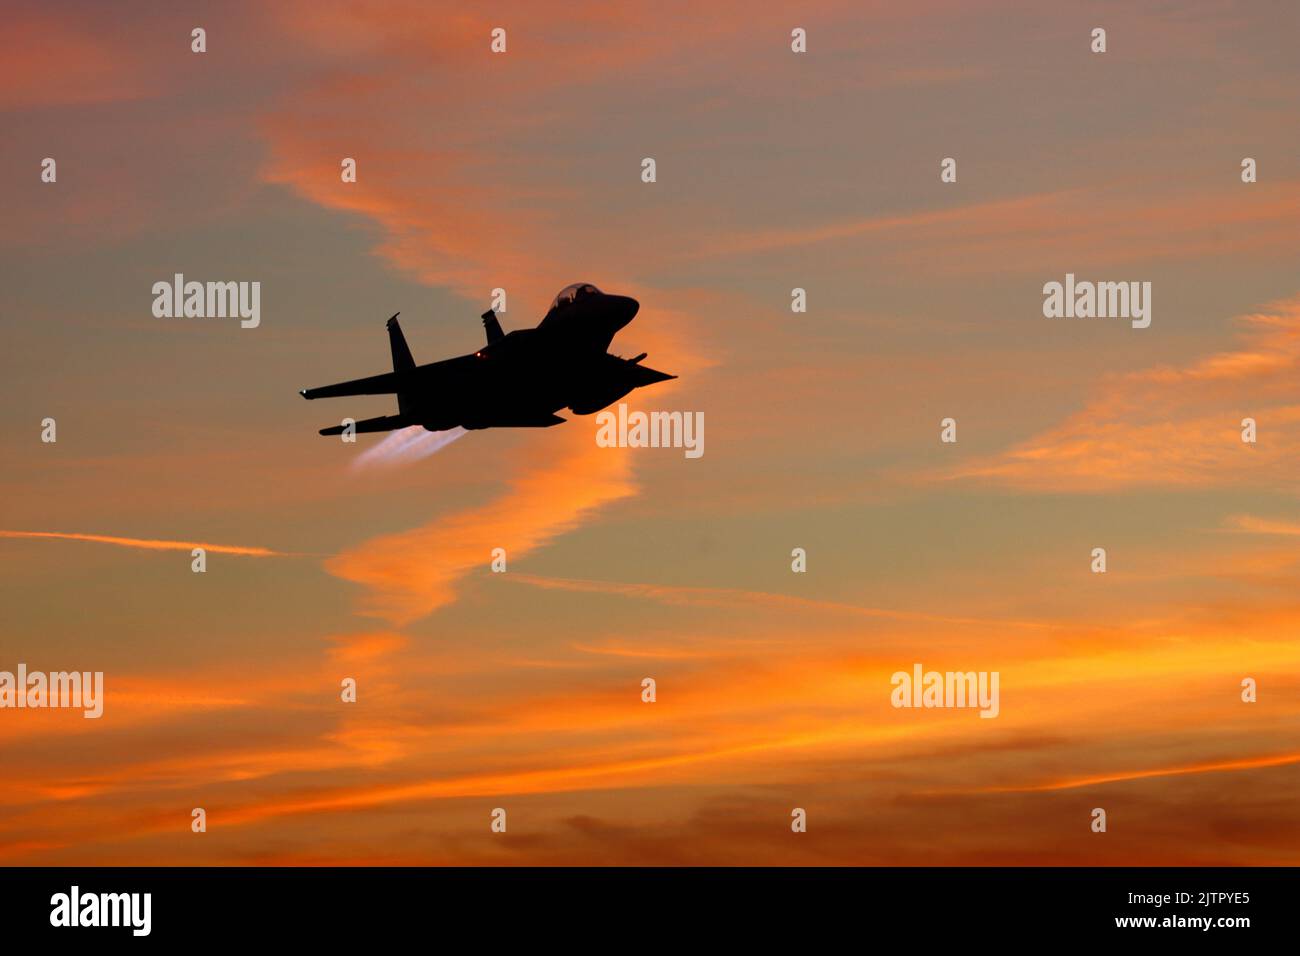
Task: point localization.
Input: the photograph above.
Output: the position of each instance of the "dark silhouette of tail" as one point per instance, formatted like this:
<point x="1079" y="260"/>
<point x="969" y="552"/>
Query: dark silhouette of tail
<point x="402" y="361"/>
<point x="492" y="327"/>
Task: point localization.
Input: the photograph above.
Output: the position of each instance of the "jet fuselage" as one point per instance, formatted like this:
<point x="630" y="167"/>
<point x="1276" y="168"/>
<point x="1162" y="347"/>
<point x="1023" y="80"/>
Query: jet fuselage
<point x="520" y="379"/>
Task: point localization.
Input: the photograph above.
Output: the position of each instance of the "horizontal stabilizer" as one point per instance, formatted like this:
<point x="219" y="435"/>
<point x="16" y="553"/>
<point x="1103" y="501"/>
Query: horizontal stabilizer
<point x="384" y="423"/>
<point x="374" y="385"/>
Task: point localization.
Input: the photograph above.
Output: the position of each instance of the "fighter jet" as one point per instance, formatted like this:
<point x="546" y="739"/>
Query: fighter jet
<point x="517" y="380"/>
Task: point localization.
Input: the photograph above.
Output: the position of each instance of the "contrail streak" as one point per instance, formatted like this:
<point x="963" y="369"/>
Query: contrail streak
<point x="150" y="544"/>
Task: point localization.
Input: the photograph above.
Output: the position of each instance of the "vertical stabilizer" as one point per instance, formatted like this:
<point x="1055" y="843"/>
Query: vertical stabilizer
<point x="402" y="361"/>
<point x="492" y="327"/>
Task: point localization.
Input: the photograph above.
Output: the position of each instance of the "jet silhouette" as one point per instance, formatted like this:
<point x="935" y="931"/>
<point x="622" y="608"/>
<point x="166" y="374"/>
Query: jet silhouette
<point x="519" y="380"/>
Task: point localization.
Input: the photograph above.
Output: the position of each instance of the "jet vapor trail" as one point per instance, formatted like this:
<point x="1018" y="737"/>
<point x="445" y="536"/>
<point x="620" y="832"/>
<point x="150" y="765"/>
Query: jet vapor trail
<point x="149" y="543"/>
<point x="405" y="446"/>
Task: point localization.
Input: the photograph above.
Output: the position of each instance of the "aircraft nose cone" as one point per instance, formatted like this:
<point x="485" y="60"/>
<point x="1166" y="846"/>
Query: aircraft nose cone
<point x="625" y="307"/>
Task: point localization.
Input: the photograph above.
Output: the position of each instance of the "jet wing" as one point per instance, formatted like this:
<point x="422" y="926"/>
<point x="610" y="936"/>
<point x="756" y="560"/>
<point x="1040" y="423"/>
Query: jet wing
<point x="374" y="385"/>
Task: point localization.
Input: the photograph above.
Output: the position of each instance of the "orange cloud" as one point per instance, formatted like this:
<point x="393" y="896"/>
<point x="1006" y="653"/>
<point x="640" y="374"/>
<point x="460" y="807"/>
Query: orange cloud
<point x="1253" y="525"/>
<point x="1176" y="426"/>
<point x="793" y="715"/>
<point x="49" y="60"/>
<point x="365" y="648"/>
<point x="412" y="573"/>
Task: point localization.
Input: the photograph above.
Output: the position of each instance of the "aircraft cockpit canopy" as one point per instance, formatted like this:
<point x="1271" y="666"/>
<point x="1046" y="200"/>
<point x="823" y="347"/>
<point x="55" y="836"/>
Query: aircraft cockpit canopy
<point x="571" y="293"/>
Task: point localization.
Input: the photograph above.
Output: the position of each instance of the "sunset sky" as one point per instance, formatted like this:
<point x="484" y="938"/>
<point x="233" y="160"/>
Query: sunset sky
<point x="522" y="690"/>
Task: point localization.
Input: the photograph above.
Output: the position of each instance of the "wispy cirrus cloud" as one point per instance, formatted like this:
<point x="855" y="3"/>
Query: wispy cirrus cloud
<point x="1146" y="773"/>
<point x="738" y="598"/>
<point x="1024" y="233"/>
<point x="1251" y="524"/>
<point x="1175" y="426"/>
